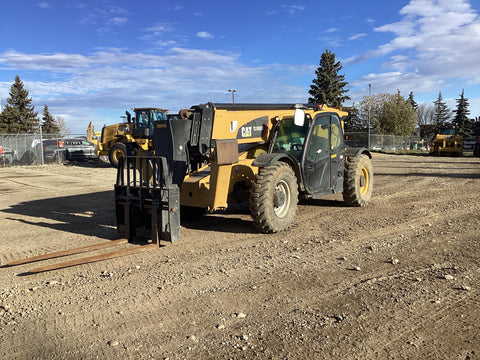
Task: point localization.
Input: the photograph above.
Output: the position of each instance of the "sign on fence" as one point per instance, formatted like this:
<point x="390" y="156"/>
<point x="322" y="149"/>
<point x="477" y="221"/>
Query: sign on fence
<point x="469" y="144"/>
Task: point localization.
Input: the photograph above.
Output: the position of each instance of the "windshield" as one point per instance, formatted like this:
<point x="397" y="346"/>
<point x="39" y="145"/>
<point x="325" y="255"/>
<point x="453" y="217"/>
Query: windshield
<point x="145" y="118"/>
<point x="289" y="138"/>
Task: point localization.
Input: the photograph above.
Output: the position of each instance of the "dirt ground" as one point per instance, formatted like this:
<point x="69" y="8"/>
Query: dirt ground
<point x="398" y="279"/>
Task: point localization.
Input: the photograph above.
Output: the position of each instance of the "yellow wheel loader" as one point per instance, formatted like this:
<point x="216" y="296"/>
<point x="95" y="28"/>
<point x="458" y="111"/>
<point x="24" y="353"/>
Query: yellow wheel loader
<point x="115" y="137"/>
<point x="213" y="155"/>
<point x="447" y="144"/>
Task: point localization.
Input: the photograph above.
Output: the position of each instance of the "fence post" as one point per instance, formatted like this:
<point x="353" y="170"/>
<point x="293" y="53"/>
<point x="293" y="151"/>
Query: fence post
<point x="41" y="146"/>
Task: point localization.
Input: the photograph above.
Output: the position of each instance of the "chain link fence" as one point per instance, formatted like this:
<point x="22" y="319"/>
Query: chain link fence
<point x="31" y="149"/>
<point x="385" y="142"/>
<point x="37" y="148"/>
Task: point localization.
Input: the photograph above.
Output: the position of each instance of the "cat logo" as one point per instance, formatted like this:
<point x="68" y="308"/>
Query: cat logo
<point x="247" y="131"/>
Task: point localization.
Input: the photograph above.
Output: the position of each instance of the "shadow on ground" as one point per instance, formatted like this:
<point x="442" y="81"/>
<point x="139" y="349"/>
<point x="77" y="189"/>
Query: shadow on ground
<point x="88" y="214"/>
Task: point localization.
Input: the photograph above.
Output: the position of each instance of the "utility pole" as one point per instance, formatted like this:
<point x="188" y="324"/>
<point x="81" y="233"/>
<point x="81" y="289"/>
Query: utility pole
<point x="233" y="91"/>
<point x="369" y="105"/>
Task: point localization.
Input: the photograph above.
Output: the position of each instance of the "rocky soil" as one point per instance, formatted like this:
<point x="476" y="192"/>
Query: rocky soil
<point x="398" y="279"/>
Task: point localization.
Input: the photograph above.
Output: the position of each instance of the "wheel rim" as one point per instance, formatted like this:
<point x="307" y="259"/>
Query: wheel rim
<point x="117" y="154"/>
<point x="364" y="181"/>
<point x="281" y="199"/>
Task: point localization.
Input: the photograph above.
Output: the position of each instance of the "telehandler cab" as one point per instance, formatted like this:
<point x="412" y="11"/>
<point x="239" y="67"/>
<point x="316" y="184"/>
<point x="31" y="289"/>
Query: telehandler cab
<point x="219" y="154"/>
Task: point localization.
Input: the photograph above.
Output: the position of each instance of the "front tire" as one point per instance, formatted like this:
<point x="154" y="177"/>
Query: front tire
<point x="274" y="198"/>
<point x="117" y="151"/>
<point x="358" y="180"/>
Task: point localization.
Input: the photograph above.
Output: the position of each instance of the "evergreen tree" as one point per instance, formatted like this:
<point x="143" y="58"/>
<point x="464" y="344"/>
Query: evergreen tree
<point x="476" y="127"/>
<point x="463" y="125"/>
<point x="19" y="114"/>
<point x="49" y="126"/>
<point x="353" y="121"/>
<point x="328" y="87"/>
<point x="442" y="114"/>
<point x="412" y="101"/>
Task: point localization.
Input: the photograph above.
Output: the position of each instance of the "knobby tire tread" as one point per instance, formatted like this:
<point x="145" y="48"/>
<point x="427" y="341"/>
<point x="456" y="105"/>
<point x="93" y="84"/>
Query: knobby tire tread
<point x="351" y="185"/>
<point x="261" y="198"/>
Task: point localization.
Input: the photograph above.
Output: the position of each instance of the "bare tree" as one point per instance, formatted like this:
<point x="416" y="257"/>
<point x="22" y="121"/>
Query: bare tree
<point x="426" y="119"/>
<point x="425" y="113"/>
<point x="62" y="126"/>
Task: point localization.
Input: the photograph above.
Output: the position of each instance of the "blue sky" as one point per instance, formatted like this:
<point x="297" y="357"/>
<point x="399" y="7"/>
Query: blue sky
<point x="92" y="60"/>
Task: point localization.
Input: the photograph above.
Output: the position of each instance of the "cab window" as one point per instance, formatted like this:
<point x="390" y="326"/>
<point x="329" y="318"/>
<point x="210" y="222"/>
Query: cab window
<point x="289" y="138"/>
<point x="336" y="137"/>
<point x="319" y="142"/>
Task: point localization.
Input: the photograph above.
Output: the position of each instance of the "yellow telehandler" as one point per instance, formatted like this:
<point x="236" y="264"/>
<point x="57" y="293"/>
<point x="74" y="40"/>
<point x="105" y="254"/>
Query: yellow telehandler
<point x="214" y="155"/>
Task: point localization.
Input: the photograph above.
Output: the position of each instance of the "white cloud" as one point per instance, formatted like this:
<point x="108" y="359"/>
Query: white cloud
<point x="434" y="44"/>
<point x="120" y="21"/>
<point x="204" y="35"/>
<point x="166" y="43"/>
<point x="357" y="36"/>
<point x="289" y="9"/>
<point x="156" y="34"/>
<point x="176" y="8"/>
<point x="44" y="5"/>
<point x="158" y="28"/>
<point x="54" y="62"/>
<point x="292" y="9"/>
<point x="105" y="17"/>
<point x="76" y="86"/>
<point x="330" y="30"/>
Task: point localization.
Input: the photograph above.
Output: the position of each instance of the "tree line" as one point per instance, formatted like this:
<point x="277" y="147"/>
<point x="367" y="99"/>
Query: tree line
<point x="19" y="115"/>
<point x="386" y="113"/>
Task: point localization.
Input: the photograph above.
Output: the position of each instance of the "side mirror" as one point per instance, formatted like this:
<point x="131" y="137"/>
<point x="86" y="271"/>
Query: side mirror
<point x="299" y="117"/>
<point x="129" y="117"/>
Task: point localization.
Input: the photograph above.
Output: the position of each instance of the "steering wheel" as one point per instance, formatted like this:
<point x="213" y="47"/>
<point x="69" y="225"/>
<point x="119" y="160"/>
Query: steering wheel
<point x="297" y="147"/>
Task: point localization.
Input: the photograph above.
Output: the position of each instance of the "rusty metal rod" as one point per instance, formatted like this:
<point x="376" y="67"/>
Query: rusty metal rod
<point x="67" y="252"/>
<point x="91" y="259"/>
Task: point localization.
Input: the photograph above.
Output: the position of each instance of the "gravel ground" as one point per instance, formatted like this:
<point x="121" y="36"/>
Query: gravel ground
<point x="398" y="279"/>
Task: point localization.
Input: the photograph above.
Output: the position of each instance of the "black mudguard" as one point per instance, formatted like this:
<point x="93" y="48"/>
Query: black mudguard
<point x="355" y="151"/>
<point x="264" y="160"/>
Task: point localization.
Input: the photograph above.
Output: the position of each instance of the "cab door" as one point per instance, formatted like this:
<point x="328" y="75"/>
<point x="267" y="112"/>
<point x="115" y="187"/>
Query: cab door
<point x="323" y="156"/>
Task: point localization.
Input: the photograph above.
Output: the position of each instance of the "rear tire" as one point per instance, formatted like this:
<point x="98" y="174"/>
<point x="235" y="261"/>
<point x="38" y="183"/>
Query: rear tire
<point x="358" y="180"/>
<point x="274" y="198"/>
<point x="117" y="151"/>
